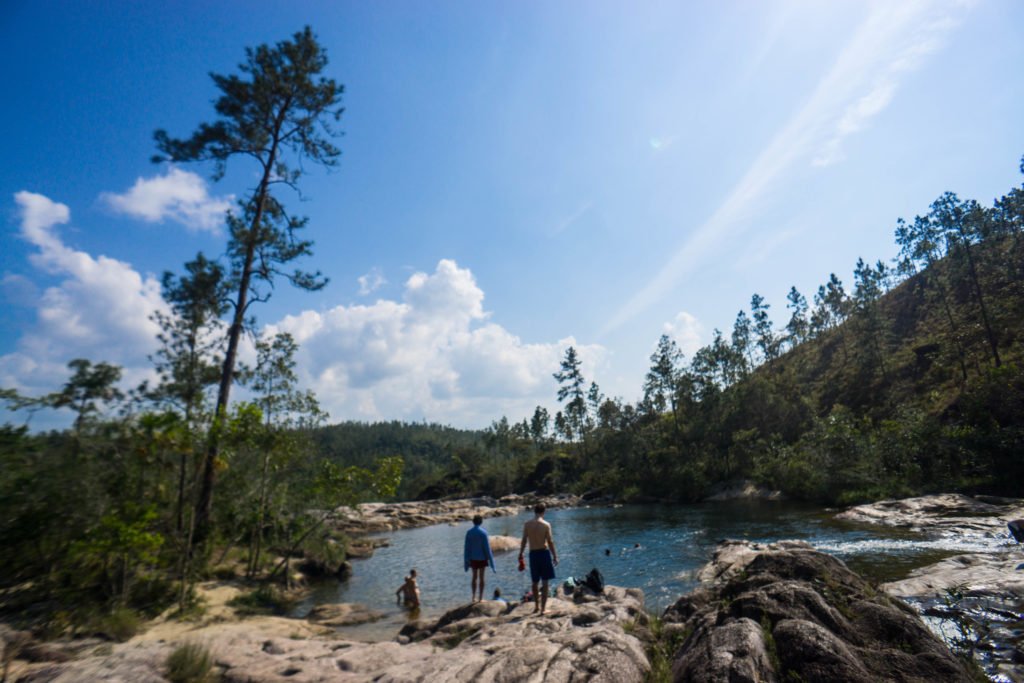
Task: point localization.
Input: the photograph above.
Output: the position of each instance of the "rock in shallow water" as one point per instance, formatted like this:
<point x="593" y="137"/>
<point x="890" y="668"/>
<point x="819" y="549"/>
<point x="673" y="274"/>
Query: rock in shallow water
<point x="343" y="614"/>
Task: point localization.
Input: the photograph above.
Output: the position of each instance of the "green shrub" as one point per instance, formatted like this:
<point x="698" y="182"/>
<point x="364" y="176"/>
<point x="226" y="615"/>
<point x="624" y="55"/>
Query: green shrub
<point x="120" y="624"/>
<point x="661" y="644"/>
<point x="190" y="663"/>
<point x="224" y="572"/>
<point x="264" y="600"/>
<point x="152" y="594"/>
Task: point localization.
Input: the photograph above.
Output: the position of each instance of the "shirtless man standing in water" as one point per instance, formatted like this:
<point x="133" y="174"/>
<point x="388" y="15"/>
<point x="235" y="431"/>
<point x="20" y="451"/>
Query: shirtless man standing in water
<point x="543" y="556"/>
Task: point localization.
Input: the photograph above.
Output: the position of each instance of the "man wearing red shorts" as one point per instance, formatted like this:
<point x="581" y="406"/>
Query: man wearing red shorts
<point x="477" y="556"/>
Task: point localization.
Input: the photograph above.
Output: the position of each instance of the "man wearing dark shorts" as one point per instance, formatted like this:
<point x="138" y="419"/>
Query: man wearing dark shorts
<point x="477" y="555"/>
<point x="543" y="556"/>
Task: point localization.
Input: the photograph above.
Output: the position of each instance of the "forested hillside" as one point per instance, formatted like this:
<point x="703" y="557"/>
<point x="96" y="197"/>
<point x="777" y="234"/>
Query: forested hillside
<point x="909" y="381"/>
<point x="437" y="460"/>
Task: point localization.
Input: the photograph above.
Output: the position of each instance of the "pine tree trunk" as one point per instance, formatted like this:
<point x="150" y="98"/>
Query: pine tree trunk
<point x="204" y="503"/>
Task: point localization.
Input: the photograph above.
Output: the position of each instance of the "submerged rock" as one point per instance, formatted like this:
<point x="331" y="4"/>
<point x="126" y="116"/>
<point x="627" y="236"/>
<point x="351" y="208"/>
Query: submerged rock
<point x="783" y="611"/>
<point x="343" y="614"/>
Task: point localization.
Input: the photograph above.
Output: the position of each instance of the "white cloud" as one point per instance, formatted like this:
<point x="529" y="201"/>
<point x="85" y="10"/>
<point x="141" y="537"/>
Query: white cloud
<point x="179" y="195"/>
<point x="99" y="310"/>
<point x="371" y="282"/>
<point x="893" y="40"/>
<point x="431" y="356"/>
<point x="39" y="214"/>
<point x="687" y="331"/>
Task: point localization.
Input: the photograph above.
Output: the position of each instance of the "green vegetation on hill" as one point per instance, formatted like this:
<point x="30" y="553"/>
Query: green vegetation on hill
<point x="912" y="382"/>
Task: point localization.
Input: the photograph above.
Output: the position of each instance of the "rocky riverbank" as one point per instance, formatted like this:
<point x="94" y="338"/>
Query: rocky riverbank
<point x="974" y="601"/>
<point x="770" y="612"/>
<point x="765" y="613"/>
<point x="368" y="518"/>
<point x="583" y="637"/>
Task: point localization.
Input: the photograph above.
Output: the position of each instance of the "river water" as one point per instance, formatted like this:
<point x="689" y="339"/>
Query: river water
<point x="658" y="549"/>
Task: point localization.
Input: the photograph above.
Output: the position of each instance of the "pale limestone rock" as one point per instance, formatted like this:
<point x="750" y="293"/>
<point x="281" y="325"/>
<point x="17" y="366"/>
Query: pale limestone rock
<point x="487" y="641"/>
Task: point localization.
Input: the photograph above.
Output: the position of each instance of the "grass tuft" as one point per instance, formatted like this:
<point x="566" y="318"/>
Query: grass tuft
<point x="190" y="663"/>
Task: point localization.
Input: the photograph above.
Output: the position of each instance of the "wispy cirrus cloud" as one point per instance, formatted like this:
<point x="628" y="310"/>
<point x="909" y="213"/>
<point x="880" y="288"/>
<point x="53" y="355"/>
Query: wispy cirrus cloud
<point x="179" y="195"/>
<point x="573" y="217"/>
<point x="893" y="40"/>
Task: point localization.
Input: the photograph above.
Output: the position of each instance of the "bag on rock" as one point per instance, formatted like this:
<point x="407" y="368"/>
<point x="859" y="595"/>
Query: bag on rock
<point x="594" y="581"/>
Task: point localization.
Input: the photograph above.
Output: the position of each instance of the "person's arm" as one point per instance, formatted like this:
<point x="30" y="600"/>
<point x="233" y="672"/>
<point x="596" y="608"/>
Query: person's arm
<point x="522" y="546"/>
<point x="551" y="544"/>
<point x="465" y="554"/>
<point x="490" y="555"/>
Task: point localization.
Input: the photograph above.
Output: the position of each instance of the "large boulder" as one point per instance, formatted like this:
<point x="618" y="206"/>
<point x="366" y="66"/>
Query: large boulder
<point x="781" y="612"/>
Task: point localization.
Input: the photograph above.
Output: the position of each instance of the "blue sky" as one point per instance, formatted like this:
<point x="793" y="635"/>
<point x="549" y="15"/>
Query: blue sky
<point x="515" y="177"/>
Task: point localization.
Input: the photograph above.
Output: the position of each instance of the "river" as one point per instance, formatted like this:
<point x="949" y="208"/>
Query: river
<point x="658" y="549"/>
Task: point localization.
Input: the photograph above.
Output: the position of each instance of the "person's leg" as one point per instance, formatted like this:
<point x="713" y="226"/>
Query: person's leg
<point x="536" y="598"/>
<point x="544" y="596"/>
<point x="472" y="585"/>
<point x="483" y="574"/>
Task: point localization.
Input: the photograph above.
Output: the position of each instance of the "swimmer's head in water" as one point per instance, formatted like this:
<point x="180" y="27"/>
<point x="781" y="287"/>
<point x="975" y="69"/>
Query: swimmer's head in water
<point x="412" y="573"/>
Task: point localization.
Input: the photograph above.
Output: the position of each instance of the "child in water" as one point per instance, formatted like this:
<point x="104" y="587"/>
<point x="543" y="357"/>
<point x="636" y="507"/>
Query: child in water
<point x="409" y="593"/>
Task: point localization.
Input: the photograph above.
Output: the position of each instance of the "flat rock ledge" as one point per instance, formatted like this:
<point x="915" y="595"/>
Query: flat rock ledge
<point x="785" y="612"/>
<point x="581" y="638"/>
<point x="370" y="518"/>
<point x="942" y="514"/>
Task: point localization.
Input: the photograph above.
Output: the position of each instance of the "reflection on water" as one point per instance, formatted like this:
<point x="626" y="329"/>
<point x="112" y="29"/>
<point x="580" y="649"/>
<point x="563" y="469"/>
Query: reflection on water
<point x="674" y="542"/>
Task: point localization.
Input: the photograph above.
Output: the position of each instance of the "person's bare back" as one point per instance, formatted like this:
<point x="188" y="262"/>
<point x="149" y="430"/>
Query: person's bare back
<point x="538" y="533"/>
